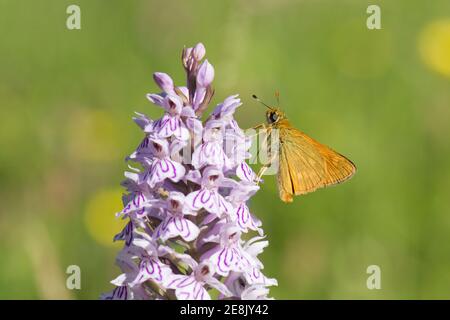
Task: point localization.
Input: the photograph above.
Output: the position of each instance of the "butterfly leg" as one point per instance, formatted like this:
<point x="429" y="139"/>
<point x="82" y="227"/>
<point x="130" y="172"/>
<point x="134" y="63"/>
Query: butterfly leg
<point x="262" y="125"/>
<point x="266" y="128"/>
<point x="264" y="168"/>
<point x="259" y="126"/>
<point x="268" y="148"/>
<point x="265" y="144"/>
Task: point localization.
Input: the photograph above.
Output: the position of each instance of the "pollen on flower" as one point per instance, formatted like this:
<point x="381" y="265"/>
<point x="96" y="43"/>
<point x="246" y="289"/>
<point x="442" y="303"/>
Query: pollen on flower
<point x="185" y="215"/>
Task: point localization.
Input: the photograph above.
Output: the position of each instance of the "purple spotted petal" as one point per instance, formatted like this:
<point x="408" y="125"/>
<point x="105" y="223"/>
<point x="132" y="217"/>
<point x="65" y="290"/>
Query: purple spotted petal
<point x="187" y="288"/>
<point x="177" y="226"/>
<point x="245" y="220"/>
<point x="119" y="293"/>
<point x="135" y="204"/>
<point x="163" y="169"/>
<point x="126" y="234"/>
<point x="209" y="153"/>
<point x="169" y="126"/>
<point x="225" y="259"/>
<point x="203" y="199"/>
<point x="224" y="206"/>
<point x="151" y="268"/>
<point x="255" y="276"/>
<point x="245" y="173"/>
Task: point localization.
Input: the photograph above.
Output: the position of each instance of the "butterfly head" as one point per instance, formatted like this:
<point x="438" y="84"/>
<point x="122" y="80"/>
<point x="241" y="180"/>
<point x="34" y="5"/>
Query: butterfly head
<point x="273" y="114"/>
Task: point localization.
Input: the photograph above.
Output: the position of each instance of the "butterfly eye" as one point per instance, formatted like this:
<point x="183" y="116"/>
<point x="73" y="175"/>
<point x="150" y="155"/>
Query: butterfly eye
<point x="273" y="117"/>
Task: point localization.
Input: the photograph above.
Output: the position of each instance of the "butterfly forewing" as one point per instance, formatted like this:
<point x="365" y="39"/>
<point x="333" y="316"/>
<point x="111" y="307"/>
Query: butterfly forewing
<point x="306" y="165"/>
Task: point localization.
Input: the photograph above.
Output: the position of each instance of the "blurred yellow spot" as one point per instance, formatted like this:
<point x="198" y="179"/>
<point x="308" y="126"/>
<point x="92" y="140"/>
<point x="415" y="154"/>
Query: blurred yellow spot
<point x="434" y="46"/>
<point x="93" y="136"/>
<point x="100" y="219"/>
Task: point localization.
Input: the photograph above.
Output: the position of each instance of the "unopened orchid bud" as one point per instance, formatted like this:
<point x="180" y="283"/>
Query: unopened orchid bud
<point x="205" y="75"/>
<point x="199" y="51"/>
<point x="164" y="81"/>
<point x="186" y="56"/>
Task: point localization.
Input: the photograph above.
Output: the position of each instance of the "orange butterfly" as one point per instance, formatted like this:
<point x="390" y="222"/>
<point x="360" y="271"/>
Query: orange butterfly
<point x="305" y="165"/>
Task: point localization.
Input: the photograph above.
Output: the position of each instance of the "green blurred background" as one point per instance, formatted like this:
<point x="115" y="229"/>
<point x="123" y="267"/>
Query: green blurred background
<point x="381" y="97"/>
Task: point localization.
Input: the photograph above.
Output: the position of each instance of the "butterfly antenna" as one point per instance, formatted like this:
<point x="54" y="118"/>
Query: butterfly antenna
<point x="264" y="104"/>
<point x="277" y="96"/>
